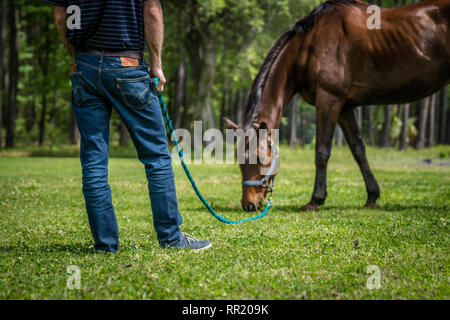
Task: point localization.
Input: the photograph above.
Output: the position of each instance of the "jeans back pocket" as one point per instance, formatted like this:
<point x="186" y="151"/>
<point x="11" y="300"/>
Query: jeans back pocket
<point x="79" y="96"/>
<point x="136" y="92"/>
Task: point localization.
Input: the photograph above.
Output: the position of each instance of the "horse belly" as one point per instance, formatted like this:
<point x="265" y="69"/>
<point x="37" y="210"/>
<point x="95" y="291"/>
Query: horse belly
<point x="403" y="91"/>
<point x="401" y="80"/>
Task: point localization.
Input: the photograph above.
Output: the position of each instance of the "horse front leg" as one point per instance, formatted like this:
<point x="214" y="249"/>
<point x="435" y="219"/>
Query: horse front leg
<point x="328" y="108"/>
<point x="349" y="126"/>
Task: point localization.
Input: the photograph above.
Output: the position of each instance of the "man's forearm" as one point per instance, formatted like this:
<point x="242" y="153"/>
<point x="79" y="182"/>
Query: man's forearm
<point x="154" y="31"/>
<point x="61" y="21"/>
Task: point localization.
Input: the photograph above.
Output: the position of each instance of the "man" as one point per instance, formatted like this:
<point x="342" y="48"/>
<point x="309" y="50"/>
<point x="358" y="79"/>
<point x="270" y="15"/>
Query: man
<point x="110" y="73"/>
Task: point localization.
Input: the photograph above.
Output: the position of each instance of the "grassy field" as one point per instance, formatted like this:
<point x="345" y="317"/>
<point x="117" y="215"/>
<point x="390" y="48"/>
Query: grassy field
<point x="287" y="255"/>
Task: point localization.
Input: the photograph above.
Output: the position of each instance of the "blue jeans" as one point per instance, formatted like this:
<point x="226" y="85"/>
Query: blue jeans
<point x="99" y="85"/>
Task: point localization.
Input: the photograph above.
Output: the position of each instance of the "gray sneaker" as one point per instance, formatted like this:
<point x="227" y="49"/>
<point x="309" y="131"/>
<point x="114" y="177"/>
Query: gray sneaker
<point x="187" y="241"/>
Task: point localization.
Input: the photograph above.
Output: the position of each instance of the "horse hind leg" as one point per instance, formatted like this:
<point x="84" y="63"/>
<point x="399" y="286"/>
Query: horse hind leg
<point x="349" y="126"/>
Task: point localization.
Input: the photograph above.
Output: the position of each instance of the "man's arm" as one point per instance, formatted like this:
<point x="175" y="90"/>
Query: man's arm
<point x="61" y="21"/>
<point x="154" y="34"/>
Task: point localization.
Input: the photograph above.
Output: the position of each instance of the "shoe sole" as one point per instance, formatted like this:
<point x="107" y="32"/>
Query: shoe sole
<point x="204" y="248"/>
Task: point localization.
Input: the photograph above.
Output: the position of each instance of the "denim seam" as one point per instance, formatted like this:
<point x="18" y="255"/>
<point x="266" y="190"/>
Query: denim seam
<point x="125" y="69"/>
<point x="134" y="79"/>
<point x="88" y="65"/>
<point x="75" y="88"/>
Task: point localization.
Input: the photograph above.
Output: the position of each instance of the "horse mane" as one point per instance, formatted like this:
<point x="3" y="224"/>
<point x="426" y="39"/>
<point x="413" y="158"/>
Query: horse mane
<point x="306" y="24"/>
<point x="303" y="26"/>
<point x="260" y="80"/>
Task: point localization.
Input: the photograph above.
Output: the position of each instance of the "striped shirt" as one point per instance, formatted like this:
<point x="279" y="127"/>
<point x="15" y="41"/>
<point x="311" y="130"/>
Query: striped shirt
<point x="107" y="24"/>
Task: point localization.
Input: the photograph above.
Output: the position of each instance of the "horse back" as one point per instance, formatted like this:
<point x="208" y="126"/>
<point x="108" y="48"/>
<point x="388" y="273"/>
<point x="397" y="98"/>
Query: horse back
<point x="406" y="59"/>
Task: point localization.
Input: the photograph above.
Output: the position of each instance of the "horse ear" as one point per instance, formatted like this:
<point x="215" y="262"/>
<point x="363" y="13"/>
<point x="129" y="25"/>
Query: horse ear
<point x="230" y="124"/>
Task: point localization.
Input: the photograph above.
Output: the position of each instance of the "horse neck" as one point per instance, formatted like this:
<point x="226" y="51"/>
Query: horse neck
<point x="280" y="86"/>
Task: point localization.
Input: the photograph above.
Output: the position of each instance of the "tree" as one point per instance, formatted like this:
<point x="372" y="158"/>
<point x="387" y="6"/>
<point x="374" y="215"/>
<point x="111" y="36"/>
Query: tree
<point x="339" y="136"/>
<point x="431" y="121"/>
<point x="214" y="30"/>
<point x="442" y="119"/>
<point x="180" y="92"/>
<point x="447" y="131"/>
<point x="73" y="132"/>
<point x="124" y="136"/>
<point x="212" y="52"/>
<point x="3" y="41"/>
<point x="422" y="107"/>
<point x="386" y="129"/>
<point x="404" y="135"/>
<point x="293" y="120"/>
<point x="13" y="75"/>
<point x="44" y="63"/>
<point x="368" y="127"/>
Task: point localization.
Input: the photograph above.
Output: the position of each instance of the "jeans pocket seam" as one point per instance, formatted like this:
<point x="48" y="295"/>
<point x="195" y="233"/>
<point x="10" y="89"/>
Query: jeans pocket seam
<point x="79" y="96"/>
<point x="128" y="95"/>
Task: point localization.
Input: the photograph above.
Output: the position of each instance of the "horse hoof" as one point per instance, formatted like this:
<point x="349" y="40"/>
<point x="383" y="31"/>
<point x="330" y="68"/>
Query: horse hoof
<point x="308" y="207"/>
<point x="371" y="205"/>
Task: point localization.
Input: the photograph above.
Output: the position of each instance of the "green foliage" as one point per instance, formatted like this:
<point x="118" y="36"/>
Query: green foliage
<point x="243" y="33"/>
<point x="444" y="152"/>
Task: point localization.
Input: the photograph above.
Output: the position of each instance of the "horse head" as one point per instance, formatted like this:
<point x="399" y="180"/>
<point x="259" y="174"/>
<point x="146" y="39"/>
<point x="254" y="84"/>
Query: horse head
<point x="258" y="160"/>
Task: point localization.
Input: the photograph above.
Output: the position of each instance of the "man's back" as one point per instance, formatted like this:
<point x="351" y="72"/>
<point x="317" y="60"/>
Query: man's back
<point x="107" y="24"/>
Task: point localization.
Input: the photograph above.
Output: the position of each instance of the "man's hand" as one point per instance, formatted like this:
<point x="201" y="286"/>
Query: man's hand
<point x="154" y="34"/>
<point x="157" y="72"/>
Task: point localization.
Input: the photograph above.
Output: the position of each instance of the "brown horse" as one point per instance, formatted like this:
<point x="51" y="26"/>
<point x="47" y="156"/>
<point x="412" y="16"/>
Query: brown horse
<point x="337" y="63"/>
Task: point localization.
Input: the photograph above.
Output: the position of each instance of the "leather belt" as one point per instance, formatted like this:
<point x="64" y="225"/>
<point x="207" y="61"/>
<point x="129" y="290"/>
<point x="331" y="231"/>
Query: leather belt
<point x="110" y="53"/>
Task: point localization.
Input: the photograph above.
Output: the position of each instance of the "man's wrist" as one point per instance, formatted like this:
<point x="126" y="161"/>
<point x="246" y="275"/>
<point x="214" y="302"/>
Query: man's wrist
<point x="155" y="63"/>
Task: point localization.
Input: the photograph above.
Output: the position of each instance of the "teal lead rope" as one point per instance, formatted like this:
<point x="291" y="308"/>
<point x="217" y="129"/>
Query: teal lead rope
<point x="188" y="173"/>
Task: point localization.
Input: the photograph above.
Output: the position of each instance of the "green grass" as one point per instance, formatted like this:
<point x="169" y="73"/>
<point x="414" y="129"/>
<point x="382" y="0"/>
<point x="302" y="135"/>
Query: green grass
<point x="287" y="255"/>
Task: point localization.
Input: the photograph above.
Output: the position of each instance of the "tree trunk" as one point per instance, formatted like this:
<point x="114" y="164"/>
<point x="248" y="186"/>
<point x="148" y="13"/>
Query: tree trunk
<point x="422" y="106"/>
<point x="447" y="138"/>
<point x="223" y="106"/>
<point x="30" y="114"/>
<point x="339" y="136"/>
<point x="241" y="107"/>
<point x="74" y="133"/>
<point x="124" y="136"/>
<point x="3" y="43"/>
<point x="302" y="127"/>
<point x="180" y="92"/>
<point x="42" y="120"/>
<point x="442" y="115"/>
<point x="44" y="64"/>
<point x="404" y="135"/>
<point x="431" y="121"/>
<point x="371" y="125"/>
<point x="293" y="116"/>
<point x="385" y="133"/>
<point x="359" y="117"/>
<point x="53" y="111"/>
<point x="235" y="106"/>
<point x="13" y="75"/>
<point x="186" y="121"/>
<point x="204" y="58"/>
